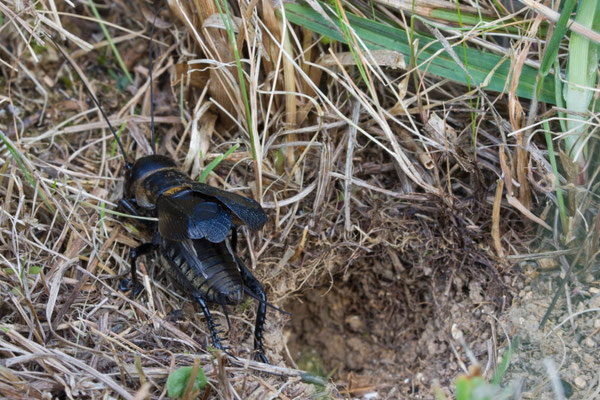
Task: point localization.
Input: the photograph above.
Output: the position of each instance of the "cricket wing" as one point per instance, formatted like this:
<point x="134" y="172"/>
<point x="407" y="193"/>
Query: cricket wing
<point x="189" y="216"/>
<point x="247" y="210"/>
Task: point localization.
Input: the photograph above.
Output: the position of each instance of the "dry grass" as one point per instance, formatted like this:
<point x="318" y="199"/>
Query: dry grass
<point x="378" y="195"/>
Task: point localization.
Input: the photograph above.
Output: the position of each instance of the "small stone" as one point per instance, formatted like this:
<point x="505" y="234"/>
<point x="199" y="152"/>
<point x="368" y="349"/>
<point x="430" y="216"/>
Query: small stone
<point x="580" y="382"/>
<point x="356" y="354"/>
<point x="355" y="323"/>
<point x="456" y="332"/>
<point x="574" y="367"/>
<point x="547" y="264"/>
<point x="594" y="302"/>
<point x="589" y="343"/>
<point x="336" y="345"/>
<point x="355" y="344"/>
<point x="475" y="292"/>
<point x="597" y="323"/>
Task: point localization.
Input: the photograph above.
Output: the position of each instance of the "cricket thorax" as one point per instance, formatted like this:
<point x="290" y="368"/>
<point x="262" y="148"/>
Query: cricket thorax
<point x="152" y="176"/>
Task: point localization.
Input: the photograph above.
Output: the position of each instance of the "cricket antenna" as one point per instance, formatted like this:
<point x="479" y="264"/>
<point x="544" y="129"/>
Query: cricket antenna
<point x="94" y="99"/>
<point x="153" y="143"/>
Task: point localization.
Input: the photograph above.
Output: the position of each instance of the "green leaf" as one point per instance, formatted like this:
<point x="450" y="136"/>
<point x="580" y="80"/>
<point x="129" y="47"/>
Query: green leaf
<point x="178" y="380"/>
<point x="34" y="270"/>
<point x="122" y="83"/>
<point x="464" y="387"/>
<point x="379" y="36"/>
<point x="567" y="388"/>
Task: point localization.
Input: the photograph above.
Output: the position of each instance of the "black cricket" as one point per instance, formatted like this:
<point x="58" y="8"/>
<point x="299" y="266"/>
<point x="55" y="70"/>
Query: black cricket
<point x="192" y="232"/>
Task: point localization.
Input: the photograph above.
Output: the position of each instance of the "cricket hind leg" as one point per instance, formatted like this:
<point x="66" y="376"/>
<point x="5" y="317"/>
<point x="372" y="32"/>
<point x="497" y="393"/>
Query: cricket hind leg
<point x="253" y="285"/>
<point x="213" y="327"/>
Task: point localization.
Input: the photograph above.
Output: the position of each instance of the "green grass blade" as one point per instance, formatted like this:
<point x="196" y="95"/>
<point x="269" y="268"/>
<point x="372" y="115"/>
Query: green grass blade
<point x="562" y="209"/>
<point x="473" y="116"/>
<point x="113" y="149"/>
<point x="350" y="39"/>
<point x="216" y="162"/>
<point x="558" y="95"/>
<point x="228" y="22"/>
<point x="554" y="44"/>
<point x="559" y="32"/>
<point x="582" y="69"/>
<point x="378" y="36"/>
<point x="504" y="363"/>
<point x="110" y="41"/>
<point x="28" y="177"/>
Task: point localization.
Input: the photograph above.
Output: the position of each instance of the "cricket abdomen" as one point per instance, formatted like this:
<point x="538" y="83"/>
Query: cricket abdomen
<point x="204" y="268"/>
